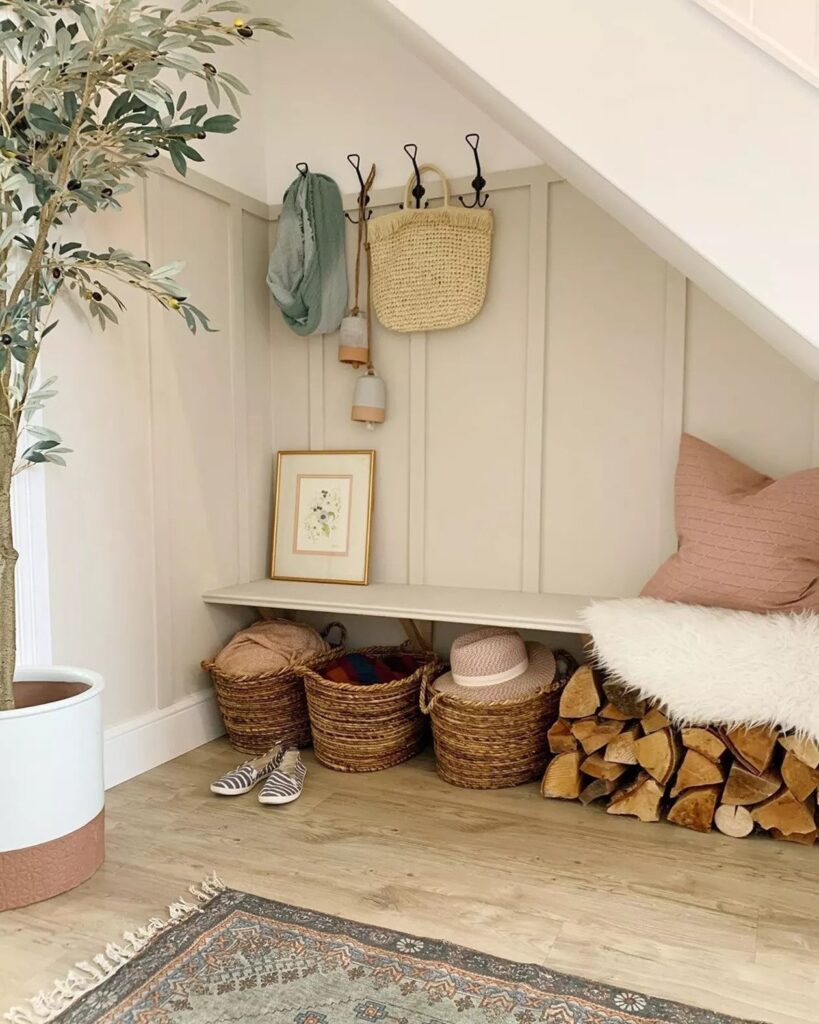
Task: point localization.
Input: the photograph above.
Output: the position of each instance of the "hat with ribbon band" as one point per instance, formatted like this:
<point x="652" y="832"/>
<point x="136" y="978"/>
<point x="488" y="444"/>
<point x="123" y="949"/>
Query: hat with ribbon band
<point x="495" y="664"/>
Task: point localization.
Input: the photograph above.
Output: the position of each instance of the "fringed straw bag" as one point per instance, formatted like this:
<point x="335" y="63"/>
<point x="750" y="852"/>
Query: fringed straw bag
<point x="429" y="266"/>
<point x="364" y="728"/>
<point x="260" y="710"/>
<point x="498" y="743"/>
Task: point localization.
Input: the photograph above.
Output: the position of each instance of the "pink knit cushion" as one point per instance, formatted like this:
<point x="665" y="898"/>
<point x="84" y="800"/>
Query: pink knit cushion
<point x="745" y="541"/>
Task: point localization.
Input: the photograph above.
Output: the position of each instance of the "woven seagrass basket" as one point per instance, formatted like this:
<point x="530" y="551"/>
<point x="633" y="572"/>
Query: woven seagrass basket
<point x="262" y="710"/>
<point x="494" y="744"/>
<point x="359" y="728"/>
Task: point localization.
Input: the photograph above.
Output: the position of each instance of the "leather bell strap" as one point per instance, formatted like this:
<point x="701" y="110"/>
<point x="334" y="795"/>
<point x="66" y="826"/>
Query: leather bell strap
<point x="491" y="680"/>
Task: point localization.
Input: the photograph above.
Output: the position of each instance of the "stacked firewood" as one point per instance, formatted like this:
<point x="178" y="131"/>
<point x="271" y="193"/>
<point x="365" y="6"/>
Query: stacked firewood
<point x="609" y="744"/>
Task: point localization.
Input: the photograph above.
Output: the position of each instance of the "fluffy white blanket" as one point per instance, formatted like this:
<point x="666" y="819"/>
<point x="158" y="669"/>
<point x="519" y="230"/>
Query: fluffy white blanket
<point x="711" y="665"/>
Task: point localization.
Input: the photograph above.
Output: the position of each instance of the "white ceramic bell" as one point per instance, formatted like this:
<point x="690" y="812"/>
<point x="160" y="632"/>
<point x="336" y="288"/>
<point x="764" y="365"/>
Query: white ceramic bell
<point x="369" y="399"/>
<point x="352" y="342"/>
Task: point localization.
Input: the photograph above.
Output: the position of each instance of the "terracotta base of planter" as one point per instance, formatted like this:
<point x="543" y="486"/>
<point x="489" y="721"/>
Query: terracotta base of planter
<point x="40" y="872"/>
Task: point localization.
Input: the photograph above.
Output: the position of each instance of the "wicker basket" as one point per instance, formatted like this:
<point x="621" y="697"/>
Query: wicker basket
<point x="359" y="728"/>
<point x="494" y="744"/>
<point x="262" y="710"/>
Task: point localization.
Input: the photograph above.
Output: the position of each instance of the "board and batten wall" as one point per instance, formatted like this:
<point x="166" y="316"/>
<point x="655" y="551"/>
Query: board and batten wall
<point x="531" y="449"/>
<point x="534" y="448"/>
<point x="167" y="492"/>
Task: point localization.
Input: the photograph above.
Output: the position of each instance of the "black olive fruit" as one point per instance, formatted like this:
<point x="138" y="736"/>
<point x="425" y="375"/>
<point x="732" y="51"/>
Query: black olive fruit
<point x="73" y="185"/>
<point x="96" y="296"/>
<point x="201" y="135"/>
<point x="245" y="31"/>
<point x="6" y="339"/>
<point x="107" y="193"/>
<point x="154" y="155"/>
<point x="211" y="70"/>
<point x="56" y="273"/>
<point x="128" y="65"/>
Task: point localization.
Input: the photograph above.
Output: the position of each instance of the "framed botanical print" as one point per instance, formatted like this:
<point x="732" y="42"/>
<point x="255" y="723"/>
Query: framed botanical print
<point x="323" y="515"/>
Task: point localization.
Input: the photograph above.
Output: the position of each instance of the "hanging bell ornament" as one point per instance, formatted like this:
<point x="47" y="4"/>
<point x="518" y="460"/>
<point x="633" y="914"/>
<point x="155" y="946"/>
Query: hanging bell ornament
<point x="369" y="399"/>
<point x="352" y="342"/>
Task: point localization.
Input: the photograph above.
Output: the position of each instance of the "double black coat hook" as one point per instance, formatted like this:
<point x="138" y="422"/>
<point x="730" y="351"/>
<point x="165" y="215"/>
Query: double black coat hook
<point x="364" y="188"/>
<point x="418" y="190"/>
<point x="478" y="182"/>
<point x="303" y="169"/>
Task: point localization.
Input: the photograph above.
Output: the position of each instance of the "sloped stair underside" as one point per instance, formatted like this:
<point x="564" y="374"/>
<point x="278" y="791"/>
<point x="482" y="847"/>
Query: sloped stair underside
<point x="703" y="146"/>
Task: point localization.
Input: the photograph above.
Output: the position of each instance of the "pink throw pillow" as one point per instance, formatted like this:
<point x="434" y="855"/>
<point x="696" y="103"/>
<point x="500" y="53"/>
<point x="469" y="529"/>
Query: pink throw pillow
<point x="745" y="541"/>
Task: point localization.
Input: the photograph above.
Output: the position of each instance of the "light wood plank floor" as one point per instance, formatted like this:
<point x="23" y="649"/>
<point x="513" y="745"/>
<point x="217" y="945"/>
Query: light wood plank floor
<point x="732" y="925"/>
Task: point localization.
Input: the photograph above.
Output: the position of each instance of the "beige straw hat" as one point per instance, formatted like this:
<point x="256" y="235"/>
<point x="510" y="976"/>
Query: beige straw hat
<point x="495" y="664"/>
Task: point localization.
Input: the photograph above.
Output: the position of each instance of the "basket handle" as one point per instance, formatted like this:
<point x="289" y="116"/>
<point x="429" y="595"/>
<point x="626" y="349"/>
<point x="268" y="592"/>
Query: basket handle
<point x="306" y="673"/>
<point x="436" y="170"/>
<point x="342" y="633"/>
<point x="424" y="703"/>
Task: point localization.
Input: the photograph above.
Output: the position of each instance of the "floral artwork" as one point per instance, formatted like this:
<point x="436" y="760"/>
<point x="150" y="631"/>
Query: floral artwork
<point x="322" y="515"/>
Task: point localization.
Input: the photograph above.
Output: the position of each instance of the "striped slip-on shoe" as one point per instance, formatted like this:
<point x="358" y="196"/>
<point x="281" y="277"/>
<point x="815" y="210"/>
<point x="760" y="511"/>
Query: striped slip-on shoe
<point x="242" y="779"/>
<point x="285" y="784"/>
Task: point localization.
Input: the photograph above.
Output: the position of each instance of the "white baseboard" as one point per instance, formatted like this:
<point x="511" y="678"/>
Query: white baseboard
<point x="143" y="743"/>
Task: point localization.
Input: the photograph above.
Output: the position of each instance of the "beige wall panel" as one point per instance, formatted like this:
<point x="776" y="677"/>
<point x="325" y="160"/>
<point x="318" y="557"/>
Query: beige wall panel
<point x="99" y="508"/>
<point x="390" y="440"/>
<point x="604" y="394"/>
<point x="475" y="420"/>
<point x="743" y="396"/>
<point x="195" y="448"/>
<point x="258" y="384"/>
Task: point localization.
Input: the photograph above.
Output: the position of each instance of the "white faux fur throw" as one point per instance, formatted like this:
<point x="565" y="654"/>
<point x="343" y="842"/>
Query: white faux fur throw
<point x="712" y="666"/>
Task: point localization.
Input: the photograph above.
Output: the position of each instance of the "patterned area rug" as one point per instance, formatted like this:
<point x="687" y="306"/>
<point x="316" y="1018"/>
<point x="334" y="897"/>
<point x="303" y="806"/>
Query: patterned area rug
<point x="232" y="958"/>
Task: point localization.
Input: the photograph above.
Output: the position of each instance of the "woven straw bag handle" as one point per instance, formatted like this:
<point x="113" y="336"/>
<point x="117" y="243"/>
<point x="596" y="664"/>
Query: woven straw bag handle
<point x="436" y="170"/>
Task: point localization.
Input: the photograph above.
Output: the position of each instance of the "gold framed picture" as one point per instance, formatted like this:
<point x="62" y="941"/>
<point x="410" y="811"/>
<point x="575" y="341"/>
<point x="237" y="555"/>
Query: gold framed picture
<point x="323" y="516"/>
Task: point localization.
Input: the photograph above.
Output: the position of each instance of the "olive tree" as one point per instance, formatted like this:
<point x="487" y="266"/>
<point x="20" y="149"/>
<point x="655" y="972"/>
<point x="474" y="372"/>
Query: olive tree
<point x="92" y="91"/>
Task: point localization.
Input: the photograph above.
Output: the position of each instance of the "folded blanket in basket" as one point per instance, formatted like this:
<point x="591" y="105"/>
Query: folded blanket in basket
<point x="365" y="669"/>
<point x="713" y="666"/>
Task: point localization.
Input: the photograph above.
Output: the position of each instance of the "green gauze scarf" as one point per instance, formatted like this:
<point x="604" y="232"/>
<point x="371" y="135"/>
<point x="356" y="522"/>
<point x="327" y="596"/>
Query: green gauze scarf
<point x="308" y="273"/>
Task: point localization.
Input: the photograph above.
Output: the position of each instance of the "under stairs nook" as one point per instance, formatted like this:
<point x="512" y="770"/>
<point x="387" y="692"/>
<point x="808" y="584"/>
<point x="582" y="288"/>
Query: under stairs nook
<point x="409" y="512"/>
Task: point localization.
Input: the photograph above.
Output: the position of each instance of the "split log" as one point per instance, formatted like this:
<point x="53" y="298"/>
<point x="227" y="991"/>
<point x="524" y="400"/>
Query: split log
<point x="599" y="768"/>
<point x="704" y="741"/>
<point x="785" y="813"/>
<point x="621" y="748"/>
<point x="624" y="699"/>
<point x="805" y="749"/>
<point x="560" y="738"/>
<point x="594" y="733"/>
<point x="744" y="788"/>
<point x="641" y="798"/>
<point x="653" y="720"/>
<point x="806" y="838"/>
<point x="734" y="821"/>
<point x="752" y="746"/>
<point x="581" y="696"/>
<point x="610" y="711"/>
<point x="800" y="779"/>
<point x="659" y="754"/>
<point x="562" y="780"/>
<point x="598" y="788"/>
<point x="695" y="808"/>
<point x="696" y="770"/>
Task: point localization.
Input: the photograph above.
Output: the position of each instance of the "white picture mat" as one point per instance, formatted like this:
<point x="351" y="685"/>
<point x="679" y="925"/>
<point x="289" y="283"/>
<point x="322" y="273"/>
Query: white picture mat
<point x="299" y="552"/>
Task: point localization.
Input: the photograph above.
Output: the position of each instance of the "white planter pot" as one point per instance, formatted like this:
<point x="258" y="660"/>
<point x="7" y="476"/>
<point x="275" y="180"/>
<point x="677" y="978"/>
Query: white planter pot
<point x="52" y="793"/>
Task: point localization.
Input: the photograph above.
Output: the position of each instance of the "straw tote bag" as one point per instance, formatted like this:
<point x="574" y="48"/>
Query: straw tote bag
<point x="429" y="267"/>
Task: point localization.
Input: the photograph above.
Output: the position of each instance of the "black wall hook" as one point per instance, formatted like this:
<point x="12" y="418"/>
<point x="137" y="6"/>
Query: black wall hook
<point x="354" y="160"/>
<point x="418" y="190"/>
<point x="478" y="182"/>
<point x="303" y="169"/>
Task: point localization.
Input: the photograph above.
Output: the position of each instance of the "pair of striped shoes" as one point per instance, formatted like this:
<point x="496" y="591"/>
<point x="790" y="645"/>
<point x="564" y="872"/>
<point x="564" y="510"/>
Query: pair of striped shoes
<point x="281" y="769"/>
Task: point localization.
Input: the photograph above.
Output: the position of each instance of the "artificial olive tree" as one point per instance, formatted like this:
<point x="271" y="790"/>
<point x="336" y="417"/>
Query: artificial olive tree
<point x="92" y="92"/>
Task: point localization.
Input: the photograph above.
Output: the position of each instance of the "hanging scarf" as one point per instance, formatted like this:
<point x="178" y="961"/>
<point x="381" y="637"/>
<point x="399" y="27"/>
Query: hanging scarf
<point x="308" y="272"/>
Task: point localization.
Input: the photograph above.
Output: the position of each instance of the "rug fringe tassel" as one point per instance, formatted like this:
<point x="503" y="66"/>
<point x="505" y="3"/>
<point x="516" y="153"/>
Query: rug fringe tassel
<point x="89" y="974"/>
